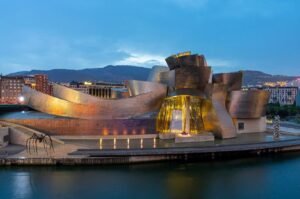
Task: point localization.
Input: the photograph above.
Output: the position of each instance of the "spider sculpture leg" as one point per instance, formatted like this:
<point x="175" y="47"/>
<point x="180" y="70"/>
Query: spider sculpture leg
<point x="42" y="140"/>
<point x="31" y="142"/>
<point x="27" y="145"/>
<point x="35" y="145"/>
<point x="51" y="143"/>
<point x="45" y="147"/>
<point x="34" y="142"/>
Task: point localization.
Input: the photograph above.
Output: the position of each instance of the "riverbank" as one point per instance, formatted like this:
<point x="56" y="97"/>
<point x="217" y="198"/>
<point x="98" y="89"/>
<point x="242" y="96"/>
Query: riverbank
<point x="207" y="152"/>
<point x="130" y="149"/>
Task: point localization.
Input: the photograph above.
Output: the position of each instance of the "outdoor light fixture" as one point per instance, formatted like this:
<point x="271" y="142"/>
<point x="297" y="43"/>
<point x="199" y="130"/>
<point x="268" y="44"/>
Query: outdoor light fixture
<point x="21" y="99"/>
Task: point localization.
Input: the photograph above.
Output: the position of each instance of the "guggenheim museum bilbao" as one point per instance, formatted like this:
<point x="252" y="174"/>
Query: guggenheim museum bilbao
<point x="184" y="98"/>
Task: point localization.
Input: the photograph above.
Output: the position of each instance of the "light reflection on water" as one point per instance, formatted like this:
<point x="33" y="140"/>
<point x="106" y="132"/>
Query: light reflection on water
<point x="21" y="184"/>
<point x="265" y="177"/>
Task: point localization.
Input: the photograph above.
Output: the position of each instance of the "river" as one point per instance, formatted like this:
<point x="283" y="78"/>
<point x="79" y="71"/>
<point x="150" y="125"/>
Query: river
<point x="264" y="177"/>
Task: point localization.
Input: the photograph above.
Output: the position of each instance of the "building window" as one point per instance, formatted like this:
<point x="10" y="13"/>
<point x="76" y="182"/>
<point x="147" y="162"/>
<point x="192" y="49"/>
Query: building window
<point x="241" y="126"/>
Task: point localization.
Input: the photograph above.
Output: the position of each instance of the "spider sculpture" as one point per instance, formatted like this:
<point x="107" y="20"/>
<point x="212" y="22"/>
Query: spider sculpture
<point x="32" y="142"/>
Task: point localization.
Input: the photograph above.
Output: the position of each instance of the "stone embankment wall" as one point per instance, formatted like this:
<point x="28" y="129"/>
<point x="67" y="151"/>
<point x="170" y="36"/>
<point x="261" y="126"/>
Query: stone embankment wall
<point x="89" y="127"/>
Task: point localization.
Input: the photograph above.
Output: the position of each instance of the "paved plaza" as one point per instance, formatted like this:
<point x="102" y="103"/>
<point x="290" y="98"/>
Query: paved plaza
<point x="70" y="147"/>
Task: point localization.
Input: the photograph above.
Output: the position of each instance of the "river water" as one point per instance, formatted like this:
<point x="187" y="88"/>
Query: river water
<point x="263" y="177"/>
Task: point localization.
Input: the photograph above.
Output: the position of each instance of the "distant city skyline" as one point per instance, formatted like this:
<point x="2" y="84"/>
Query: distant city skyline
<point x="233" y="34"/>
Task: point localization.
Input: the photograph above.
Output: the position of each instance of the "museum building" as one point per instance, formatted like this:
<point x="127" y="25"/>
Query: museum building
<point x="184" y="99"/>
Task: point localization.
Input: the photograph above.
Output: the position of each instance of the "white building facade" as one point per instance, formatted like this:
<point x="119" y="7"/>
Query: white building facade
<point x="283" y="95"/>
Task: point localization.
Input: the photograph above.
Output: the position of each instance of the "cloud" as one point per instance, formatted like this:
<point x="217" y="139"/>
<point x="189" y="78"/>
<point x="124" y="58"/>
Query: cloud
<point x="140" y="59"/>
<point x="43" y="51"/>
<point x="223" y="65"/>
<point x="220" y="63"/>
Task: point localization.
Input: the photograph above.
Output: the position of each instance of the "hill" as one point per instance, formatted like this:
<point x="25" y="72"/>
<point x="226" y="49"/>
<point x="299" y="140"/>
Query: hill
<point x="120" y="73"/>
<point x="258" y="77"/>
<point x="109" y="73"/>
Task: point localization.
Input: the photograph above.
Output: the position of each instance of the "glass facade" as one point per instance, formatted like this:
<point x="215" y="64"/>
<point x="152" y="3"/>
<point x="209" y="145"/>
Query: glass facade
<point x="182" y="114"/>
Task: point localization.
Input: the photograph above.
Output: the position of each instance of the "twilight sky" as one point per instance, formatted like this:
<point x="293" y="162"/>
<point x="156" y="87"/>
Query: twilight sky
<point x="233" y="34"/>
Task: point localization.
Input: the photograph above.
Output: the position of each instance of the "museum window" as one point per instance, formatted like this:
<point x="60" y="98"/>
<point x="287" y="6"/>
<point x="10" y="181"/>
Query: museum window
<point x="241" y="126"/>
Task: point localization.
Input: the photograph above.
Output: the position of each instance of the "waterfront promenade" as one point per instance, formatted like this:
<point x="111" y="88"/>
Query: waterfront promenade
<point x="82" y="152"/>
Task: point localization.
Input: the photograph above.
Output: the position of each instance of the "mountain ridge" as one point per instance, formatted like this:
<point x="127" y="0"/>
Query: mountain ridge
<point x="120" y="73"/>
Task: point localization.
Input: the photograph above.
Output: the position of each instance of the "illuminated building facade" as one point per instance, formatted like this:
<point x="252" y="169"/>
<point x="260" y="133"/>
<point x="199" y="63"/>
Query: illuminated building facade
<point x="283" y="95"/>
<point x="184" y="99"/>
<point x="42" y="84"/>
<point x="11" y="88"/>
<point x="101" y="90"/>
<point x="295" y="83"/>
<point x="199" y="101"/>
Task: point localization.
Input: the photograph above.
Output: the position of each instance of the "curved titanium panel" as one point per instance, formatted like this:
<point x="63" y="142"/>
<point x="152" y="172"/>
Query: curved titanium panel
<point x="155" y="74"/>
<point x="192" y="77"/>
<point x="168" y="77"/>
<point x="232" y="80"/>
<point x="102" y="109"/>
<point x="192" y="60"/>
<point x="136" y="87"/>
<point x="248" y="104"/>
<point x="186" y="61"/>
<point x="72" y="95"/>
<point x="227" y="127"/>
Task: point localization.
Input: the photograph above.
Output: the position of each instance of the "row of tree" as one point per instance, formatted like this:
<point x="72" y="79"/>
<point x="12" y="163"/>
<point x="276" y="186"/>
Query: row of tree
<point x="282" y="111"/>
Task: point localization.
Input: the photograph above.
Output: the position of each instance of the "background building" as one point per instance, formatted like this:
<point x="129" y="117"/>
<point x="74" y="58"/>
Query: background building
<point x="42" y="84"/>
<point x="298" y="99"/>
<point x="295" y="82"/>
<point x="100" y="89"/>
<point x="11" y="88"/>
<point x="282" y="95"/>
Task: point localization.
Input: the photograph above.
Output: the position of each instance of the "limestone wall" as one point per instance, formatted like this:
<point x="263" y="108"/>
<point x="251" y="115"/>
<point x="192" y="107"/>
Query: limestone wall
<point x="4" y="137"/>
<point x="251" y="125"/>
<point x="18" y="137"/>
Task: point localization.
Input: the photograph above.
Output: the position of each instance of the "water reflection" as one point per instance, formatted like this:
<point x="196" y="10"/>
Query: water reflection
<point x="181" y="185"/>
<point x="22" y="187"/>
<point x="265" y="177"/>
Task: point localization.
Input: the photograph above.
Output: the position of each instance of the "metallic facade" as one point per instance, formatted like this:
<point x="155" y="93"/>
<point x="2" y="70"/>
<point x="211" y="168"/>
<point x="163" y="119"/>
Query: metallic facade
<point x="168" y="78"/>
<point x="185" y="60"/>
<point x="186" y="98"/>
<point x="73" y="104"/>
<point x="192" y="77"/>
<point x="162" y="75"/>
<point x="248" y="104"/>
<point x="71" y="95"/>
<point x="233" y="81"/>
<point x="220" y="99"/>
<point x="136" y="87"/>
<point x="155" y="74"/>
<point x="226" y="125"/>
